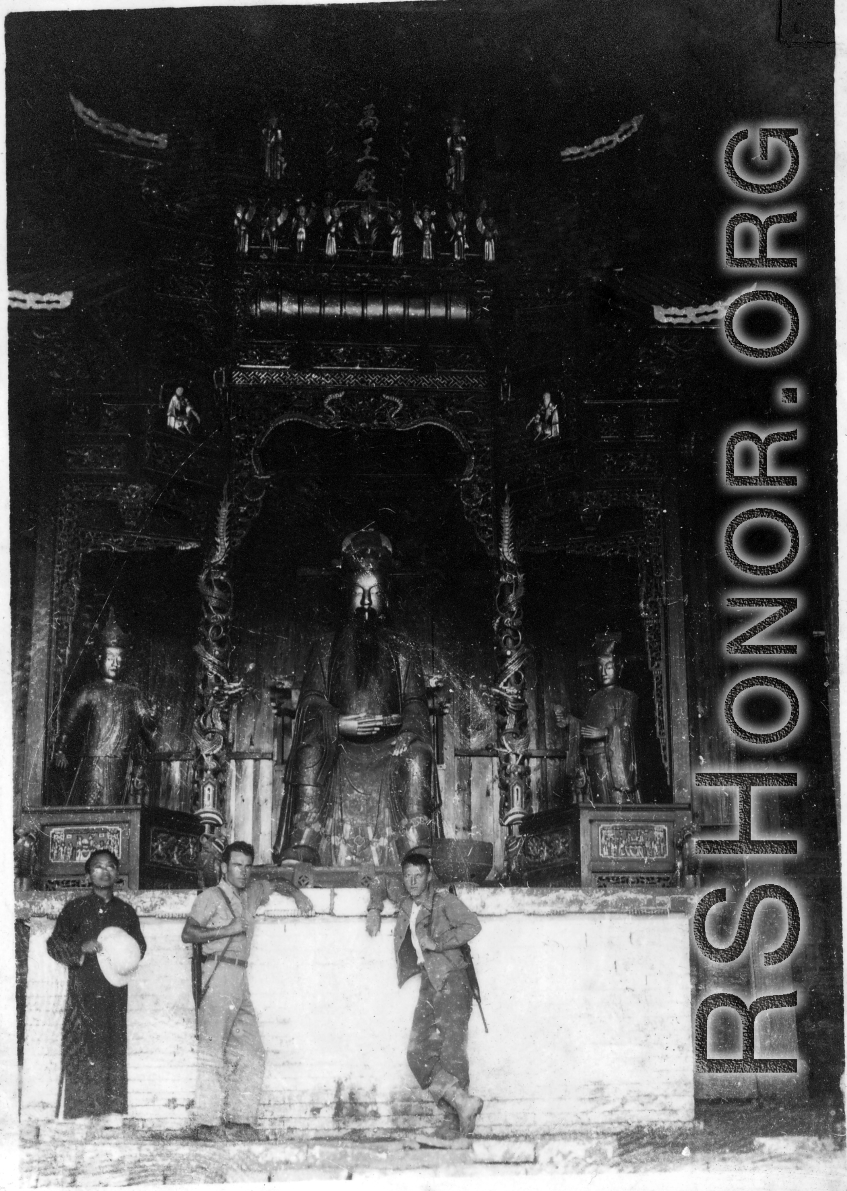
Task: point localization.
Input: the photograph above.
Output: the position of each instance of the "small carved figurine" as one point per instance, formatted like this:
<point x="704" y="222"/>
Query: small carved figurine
<point x="180" y="412"/>
<point x="458" y="221"/>
<point x="274" y="161"/>
<point x="244" y="213"/>
<point x="334" y="228"/>
<point x="365" y="231"/>
<point x="546" y="420"/>
<point x="425" y="222"/>
<point x="457" y="145"/>
<point x="272" y="225"/>
<point x="487" y="228"/>
<point x="302" y="220"/>
<point x="395" y="217"/>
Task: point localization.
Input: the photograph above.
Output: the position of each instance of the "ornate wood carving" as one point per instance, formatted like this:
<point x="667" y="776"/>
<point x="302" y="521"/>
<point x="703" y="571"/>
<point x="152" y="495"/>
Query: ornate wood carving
<point x="215" y="688"/>
<point x="360" y="378"/>
<point x="255" y="413"/>
<point x="510" y="688"/>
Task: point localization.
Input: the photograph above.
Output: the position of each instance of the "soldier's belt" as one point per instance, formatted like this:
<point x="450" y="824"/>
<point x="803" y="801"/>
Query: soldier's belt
<point x="226" y="959"/>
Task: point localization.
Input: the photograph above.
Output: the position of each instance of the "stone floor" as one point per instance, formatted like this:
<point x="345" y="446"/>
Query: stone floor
<point x="755" y="1149"/>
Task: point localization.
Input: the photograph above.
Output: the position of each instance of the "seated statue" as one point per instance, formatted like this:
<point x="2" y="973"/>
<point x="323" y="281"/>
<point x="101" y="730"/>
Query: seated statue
<point x="608" y="766"/>
<point x="358" y="784"/>
<point x="114" y="718"/>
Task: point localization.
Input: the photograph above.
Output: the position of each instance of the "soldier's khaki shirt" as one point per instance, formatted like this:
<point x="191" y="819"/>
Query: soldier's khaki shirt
<point x="211" y="908"/>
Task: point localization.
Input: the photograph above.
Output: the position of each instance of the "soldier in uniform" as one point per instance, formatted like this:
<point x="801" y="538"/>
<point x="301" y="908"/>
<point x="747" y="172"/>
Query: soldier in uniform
<point x="430" y="935"/>
<point x="230" y="1054"/>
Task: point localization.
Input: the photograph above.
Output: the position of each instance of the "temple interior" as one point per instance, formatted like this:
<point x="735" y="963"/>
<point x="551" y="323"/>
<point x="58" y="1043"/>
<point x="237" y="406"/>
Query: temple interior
<point x="516" y="412"/>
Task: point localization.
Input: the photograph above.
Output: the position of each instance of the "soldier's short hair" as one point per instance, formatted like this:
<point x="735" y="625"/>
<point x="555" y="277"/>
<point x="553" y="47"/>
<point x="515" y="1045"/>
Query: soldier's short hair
<point x="238" y="845"/>
<point x="418" y="860"/>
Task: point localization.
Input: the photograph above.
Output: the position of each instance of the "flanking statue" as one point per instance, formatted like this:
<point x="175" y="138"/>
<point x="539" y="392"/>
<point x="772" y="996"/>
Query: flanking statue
<point x="114" y="718"/>
<point x="606" y="733"/>
<point x="358" y="784"/>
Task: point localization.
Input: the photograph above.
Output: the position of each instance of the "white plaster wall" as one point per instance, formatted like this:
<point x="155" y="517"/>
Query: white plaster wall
<point x="589" y="1016"/>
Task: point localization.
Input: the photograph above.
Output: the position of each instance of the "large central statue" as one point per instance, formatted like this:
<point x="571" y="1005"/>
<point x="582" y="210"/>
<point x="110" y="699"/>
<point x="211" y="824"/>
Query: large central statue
<point x="358" y="785"/>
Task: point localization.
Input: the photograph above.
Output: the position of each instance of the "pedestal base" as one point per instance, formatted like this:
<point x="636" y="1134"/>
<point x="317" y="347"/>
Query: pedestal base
<point x="605" y="847"/>
<point x="156" y="848"/>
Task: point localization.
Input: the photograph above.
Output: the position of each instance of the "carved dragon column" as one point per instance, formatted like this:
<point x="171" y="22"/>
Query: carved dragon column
<point x="216" y="690"/>
<point x="510" y="688"/>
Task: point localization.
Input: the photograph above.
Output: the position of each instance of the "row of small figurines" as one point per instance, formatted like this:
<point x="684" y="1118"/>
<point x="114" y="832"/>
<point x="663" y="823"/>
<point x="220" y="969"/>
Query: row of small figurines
<point x="276" y="224"/>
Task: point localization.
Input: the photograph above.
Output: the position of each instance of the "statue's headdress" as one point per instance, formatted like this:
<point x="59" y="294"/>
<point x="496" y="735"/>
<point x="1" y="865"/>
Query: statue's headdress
<point x="607" y="645"/>
<point x="365" y="550"/>
<point x="112" y="635"/>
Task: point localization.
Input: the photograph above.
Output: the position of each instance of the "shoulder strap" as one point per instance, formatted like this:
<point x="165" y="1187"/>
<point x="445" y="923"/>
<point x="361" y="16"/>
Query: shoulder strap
<point x="225" y="896"/>
<point x="222" y="953"/>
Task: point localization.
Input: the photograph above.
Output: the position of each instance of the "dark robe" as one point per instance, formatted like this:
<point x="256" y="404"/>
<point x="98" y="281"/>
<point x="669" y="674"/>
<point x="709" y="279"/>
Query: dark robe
<point x="356" y="792"/>
<point x="94" y="1028"/>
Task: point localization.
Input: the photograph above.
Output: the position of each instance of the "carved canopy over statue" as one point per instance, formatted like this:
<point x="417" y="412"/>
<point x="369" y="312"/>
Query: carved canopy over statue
<point x="358" y="786"/>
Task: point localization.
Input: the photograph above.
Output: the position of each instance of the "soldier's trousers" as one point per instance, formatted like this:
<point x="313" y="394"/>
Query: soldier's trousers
<point x="438" y="1044"/>
<point x="230" y="1053"/>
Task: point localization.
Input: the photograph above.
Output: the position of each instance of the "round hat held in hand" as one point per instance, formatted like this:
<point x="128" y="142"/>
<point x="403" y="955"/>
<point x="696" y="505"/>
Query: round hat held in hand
<point x="120" y="955"/>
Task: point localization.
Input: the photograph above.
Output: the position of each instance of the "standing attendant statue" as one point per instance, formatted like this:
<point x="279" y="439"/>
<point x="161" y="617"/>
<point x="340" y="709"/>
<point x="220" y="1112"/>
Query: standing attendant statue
<point x="358" y="786"/>
<point x="606" y="731"/>
<point x="114" y="718"/>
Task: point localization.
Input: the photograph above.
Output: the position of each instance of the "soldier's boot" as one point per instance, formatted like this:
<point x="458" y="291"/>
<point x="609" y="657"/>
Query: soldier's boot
<point x="467" y="1108"/>
<point x="448" y="1130"/>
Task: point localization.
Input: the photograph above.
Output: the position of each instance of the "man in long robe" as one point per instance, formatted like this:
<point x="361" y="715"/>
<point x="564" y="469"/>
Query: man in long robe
<point x="358" y="781"/>
<point x="94" y="1081"/>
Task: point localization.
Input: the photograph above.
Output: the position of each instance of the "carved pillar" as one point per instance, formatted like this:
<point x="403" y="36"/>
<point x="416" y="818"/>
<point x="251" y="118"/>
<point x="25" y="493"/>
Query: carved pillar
<point x="215" y="689"/>
<point x="510" y="689"/>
